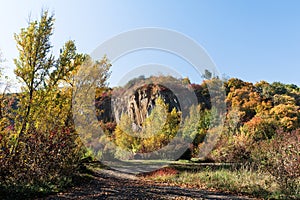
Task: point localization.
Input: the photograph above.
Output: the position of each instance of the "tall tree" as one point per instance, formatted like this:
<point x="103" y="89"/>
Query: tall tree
<point x="35" y="60"/>
<point x="42" y="147"/>
<point x="38" y="69"/>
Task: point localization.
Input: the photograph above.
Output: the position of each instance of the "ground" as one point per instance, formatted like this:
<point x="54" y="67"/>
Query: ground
<point x="110" y="184"/>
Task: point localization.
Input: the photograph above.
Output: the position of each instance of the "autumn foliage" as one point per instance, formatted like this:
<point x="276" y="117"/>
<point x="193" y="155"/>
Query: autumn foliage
<point x="41" y="149"/>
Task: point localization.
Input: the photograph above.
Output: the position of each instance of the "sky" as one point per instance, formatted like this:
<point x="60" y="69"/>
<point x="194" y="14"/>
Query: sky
<point x="251" y="40"/>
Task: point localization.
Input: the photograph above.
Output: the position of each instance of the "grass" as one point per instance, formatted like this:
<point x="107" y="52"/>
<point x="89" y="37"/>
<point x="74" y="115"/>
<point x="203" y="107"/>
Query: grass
<point x="225" y="177"/>
<point x="240" y="181"/>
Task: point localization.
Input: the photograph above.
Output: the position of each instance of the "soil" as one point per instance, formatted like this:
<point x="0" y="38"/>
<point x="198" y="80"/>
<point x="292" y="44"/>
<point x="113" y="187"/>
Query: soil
<point x="110" y="184"/>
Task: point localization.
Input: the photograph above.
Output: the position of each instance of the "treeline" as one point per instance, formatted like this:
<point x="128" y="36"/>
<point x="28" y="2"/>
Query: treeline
<point x="260" y="128"/>
<point x="254" y="113"/>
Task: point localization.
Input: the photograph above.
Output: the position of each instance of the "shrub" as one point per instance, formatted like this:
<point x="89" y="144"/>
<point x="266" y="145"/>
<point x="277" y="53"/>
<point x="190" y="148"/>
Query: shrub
<point x="260" y="128"/>
<point x="233" y="148"/>
<point x="281" y="158"/>
<point x="41" y="161"/>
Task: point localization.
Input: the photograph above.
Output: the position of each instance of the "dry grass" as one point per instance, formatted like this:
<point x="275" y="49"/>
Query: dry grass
<point x="242" y="181"/>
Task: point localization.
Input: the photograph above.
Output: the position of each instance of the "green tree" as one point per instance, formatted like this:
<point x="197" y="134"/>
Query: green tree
<point x="265" y="89"/>
<point x="46" y="147"/>
<point x="34" y="62"/>
<point x="195" y="127"/>
<point x="207" y="74"/>
<point x="279" y="88"/>
<point x="40" y="72"/>
<point x="124" y="135"/>
<point x="158" y="127"/>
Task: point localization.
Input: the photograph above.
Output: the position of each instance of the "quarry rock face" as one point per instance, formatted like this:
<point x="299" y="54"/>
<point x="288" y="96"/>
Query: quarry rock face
<point x="142" y="101"/>
<point x="139" y="103"/>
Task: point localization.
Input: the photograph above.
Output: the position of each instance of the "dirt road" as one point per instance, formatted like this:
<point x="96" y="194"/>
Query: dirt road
<point x="108" y="184"/>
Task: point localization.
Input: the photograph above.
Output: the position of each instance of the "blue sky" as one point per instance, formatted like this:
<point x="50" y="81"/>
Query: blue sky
<point x="251" y="40"/>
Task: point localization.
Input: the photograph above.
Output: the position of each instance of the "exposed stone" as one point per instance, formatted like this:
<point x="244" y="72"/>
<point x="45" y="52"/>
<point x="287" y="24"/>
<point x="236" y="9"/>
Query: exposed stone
<point x="138" y="102"/>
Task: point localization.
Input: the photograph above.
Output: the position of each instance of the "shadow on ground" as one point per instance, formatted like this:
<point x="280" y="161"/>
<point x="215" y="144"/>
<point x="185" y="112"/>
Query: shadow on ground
<point x="111" y="184"/>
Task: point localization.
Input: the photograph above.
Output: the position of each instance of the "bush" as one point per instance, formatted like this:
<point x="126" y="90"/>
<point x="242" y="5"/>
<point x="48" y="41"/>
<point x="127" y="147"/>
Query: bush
<point x="260" y="128"/>
<point x="42" y="162"/>
<point x="234" y="148"/>
<point x="281" y="158"/>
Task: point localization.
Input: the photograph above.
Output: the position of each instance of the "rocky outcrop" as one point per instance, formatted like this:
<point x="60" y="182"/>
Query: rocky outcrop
<point x="139" y="101"/>
<point x="142" y="101"/>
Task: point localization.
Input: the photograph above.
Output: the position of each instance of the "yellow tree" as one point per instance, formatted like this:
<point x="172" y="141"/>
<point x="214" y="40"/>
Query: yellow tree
<point x="46" y="148"/>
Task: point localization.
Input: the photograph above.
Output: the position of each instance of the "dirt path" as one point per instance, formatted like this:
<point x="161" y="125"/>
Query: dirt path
<point x="108" y="184"/>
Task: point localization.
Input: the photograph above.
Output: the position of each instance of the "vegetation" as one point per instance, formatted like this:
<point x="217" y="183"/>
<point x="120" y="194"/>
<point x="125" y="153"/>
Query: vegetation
<point x="40" y="150"/>
<point x="261" y="130"/>
<point x="280" y="157"/>
<point x="244" y="181"/>
<point x="157" y="131"/>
